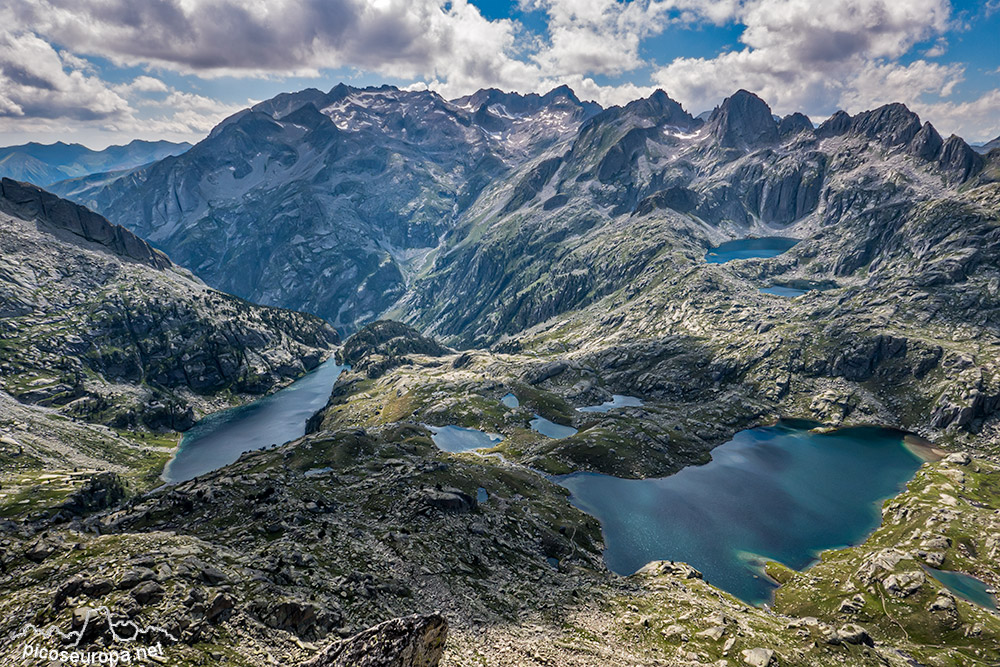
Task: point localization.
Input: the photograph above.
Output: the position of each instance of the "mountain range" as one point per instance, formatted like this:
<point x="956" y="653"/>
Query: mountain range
<point x="988" y="146"/>
<point x="498" y="246"/>
<point x="351" y="202"/>
<point x="43" y="164"/>
<point x="546" y="224"/>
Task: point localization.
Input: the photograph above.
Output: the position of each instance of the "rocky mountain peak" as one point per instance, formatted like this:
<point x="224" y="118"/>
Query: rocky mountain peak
<point x="309" y="116"/>
<point x="660" y="108"/>
<point x="560" y="91"/>
<point x="959" y="158"/>
<point x="340" y="91"/>
<point x="29" y="202"/>
<point x="892" y="124"/>
<point x="742" y="121"/>
<point x="793" y="124"/>
<point x="837" y="124"/>
<point x="926" y="144"/>
<point x="516" y="103"/>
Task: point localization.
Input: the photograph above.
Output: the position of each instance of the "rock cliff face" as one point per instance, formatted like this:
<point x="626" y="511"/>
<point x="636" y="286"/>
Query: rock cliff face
<point x="29" y="202"/>
<point x="105" y="328"/>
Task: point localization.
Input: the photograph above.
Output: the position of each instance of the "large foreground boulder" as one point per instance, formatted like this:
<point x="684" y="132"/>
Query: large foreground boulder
<point x="411" y="641"/>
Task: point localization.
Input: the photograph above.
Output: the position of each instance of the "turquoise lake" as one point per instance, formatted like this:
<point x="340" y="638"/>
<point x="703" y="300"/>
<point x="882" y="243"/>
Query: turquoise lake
<point x="768" y="246"/>
<point x="220" y="438"/>
<point x="780" y="493"/>
<point x="966" y="587"/>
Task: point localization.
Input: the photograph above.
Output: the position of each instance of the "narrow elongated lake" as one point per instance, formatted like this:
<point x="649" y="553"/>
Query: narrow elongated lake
<point x="781" y="493"/>
<point x="220" y="438"/>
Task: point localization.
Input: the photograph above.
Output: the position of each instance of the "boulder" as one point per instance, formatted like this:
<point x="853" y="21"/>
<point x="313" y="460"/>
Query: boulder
<point x="101" y="491"/>
<point x="943" y="602"/>
<point x="854" y="634"/>
<point x="446" y="499"/>
<point x="220" y="608"/>
<point x="958" y="458"/>
<point x="853" y="605"/>
<point x="759" y="657"/>
<point x="904" y="584"/>
<point x="133" y="578"/>
<point x="148" y="592"/>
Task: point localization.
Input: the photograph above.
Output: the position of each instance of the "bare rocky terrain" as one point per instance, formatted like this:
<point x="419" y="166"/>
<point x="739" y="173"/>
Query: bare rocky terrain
<point x="537" y="246"/>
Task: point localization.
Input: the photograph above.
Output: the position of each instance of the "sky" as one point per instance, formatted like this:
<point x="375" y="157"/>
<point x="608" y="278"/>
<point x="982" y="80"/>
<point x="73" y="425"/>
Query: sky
<point x="102" y="72"/>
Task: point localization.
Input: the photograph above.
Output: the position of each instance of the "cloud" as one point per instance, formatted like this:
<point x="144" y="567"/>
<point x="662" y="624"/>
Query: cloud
<point x="147" y="84"/>
<point x="43" y="90"/>
<point x="799" y="58"/>
<point x="846" y="54"/>
<point x="596" y="36"/>
<point x="974" y="120"/>
<point x="36" y="81"/>
<point x="939" y="48"/>
<point x="292" y="37"/>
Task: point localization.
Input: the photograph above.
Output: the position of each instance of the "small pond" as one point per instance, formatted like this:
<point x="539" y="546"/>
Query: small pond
<point x="617" y="401"/>
<point x="779" y="290"/>
<point x="458" y="439"/>
<point x="550" y="428"/>
<point x="968" y="588"/>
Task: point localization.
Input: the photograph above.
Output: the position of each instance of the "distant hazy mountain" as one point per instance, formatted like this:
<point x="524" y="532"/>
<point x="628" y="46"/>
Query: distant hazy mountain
<point x="44" y="164"/>
<point x="988" y="146"/>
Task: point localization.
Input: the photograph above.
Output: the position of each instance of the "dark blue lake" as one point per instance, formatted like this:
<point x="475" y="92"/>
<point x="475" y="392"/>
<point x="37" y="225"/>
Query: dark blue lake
<point x="220" y="438"/>
<point x="768" y="246"/>
<point x="780" y="493"/>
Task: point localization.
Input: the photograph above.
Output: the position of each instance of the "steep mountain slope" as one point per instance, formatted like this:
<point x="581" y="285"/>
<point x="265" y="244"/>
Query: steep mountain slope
<point x="45" y="164"/>
<point x="647" y="179"/>
<point x="104" y="328"/>
<point x="335" y="199"/>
